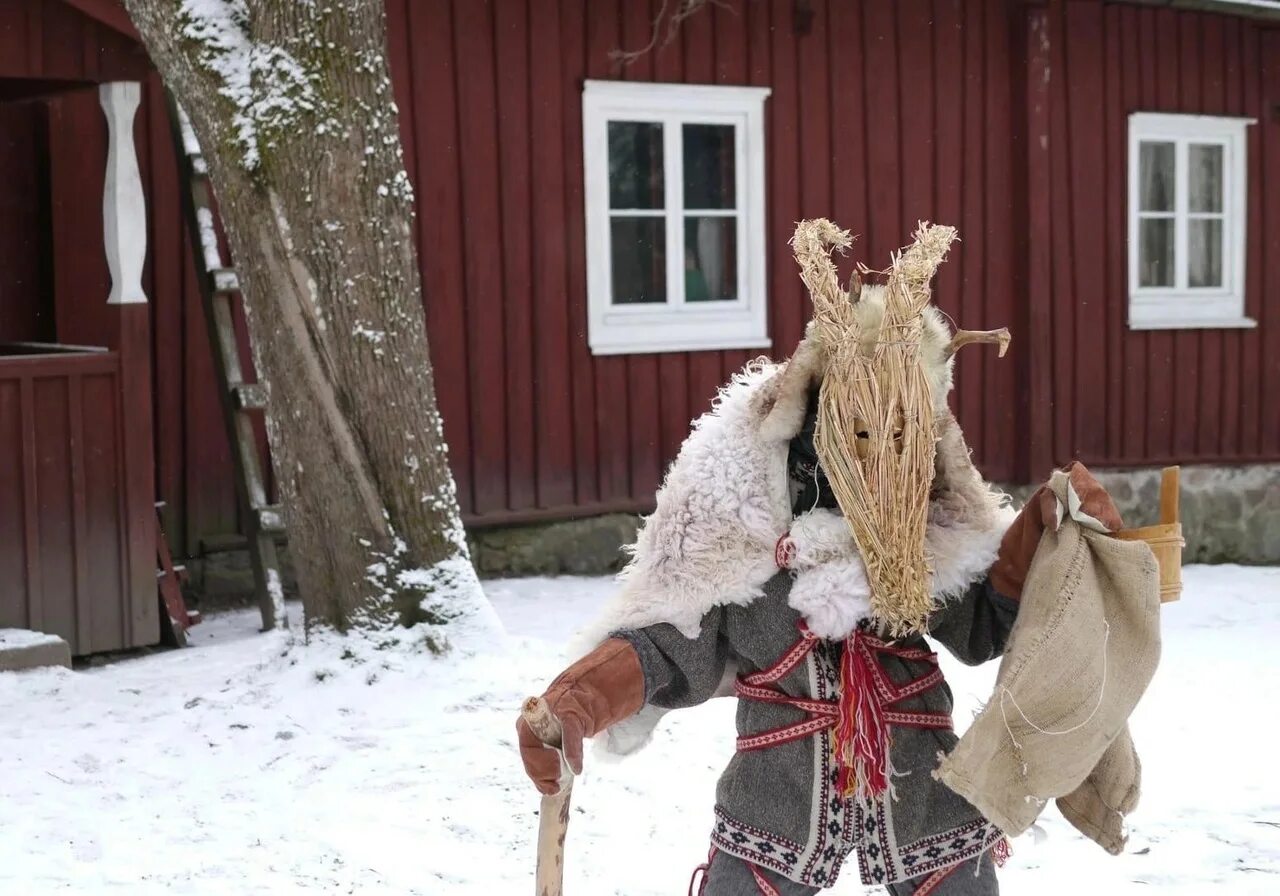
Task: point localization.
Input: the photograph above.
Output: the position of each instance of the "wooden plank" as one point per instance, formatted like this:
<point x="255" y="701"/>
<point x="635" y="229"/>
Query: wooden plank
<point x="848" y="134"/>
<point x="554" y="445"/>
<point x="1086" y="298"/>
<point x="55" y="515"/>
<point x="789" y="307"/>
<point x="1039" y="36"/>
<point x="1116" y="284"/>
<point x="511" y="46"/>
<point x="916" y="84"/>
<point x="673" y="368"/>
<point x="1252" y="76"/>
<point x="969" y="309"/>
<point x="573" y="64"/>
<point x="1062" y="188"/>
<point x="13" y="541"/>
<point x="884" y="158"/>
<point x="697" y="41"/>
<point x="440" y="251"/>
<point x="612" y="393"/>
<point x="1269" y="320"/>
<point x="486" y="331"/>
<point x="167" y="259"/>
<point x="1164" y="378"/>
<point x="1187" y="369"/>
<point x="83" y="594"/>
<point x="1134" y="53"/>
<point x="35" y="613"/>
<point x="100" y="545"/>
<point x="1000" y="440"/>
<point x="643" y="371"/>
<point x="108" y="12"/>
<point x="1214" y="418"/>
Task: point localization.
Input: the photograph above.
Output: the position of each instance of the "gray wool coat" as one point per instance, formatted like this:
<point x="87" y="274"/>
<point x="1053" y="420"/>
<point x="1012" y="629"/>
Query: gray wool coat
<point x="779" y="807"/>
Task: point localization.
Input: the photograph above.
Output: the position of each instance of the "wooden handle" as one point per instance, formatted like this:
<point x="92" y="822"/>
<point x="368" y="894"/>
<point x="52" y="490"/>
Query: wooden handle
<point x="1169" y="495"/>
<point x="538" y="716"/>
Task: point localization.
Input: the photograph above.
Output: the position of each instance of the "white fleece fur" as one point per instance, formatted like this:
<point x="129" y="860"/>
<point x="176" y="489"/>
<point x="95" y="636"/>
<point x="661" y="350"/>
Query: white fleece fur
<point x="726" y="502"/>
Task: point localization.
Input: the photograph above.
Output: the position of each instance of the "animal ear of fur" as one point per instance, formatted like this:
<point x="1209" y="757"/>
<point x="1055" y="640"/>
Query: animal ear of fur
<point x="781" y="403"/>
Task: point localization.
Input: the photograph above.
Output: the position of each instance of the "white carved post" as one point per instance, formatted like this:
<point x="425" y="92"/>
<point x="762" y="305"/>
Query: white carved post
<point x="124" y="210"/>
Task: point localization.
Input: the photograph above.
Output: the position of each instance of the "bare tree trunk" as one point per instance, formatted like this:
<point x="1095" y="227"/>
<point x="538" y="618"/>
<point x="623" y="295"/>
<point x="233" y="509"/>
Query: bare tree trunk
<point x="292" y="103"/>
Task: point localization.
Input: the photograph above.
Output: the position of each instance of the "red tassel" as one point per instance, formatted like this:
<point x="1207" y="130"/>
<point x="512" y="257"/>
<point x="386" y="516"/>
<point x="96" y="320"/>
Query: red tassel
<point x="861" y="734"/>
<point x="1001" y="851"/>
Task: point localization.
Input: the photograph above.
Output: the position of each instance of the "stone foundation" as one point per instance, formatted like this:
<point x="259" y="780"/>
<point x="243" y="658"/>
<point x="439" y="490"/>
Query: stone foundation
<point x="1229" y="515"/>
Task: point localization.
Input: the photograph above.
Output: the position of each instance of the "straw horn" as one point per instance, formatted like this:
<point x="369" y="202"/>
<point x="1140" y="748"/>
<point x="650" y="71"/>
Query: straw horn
<point x="967" y="337"/>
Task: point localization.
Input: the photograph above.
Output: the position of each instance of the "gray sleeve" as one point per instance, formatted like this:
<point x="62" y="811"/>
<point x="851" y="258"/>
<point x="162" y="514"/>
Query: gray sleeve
<point x="976" y="626"/>
<point x="680" y="671"/>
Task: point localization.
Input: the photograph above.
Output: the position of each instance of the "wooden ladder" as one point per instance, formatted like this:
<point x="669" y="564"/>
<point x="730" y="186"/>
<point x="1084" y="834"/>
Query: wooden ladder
<point x="219" y="289"/>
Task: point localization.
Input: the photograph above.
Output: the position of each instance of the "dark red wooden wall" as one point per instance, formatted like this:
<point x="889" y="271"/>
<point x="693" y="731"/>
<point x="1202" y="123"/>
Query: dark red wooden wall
<point x="881" y="114"/>
<point x="1102" y="392"/>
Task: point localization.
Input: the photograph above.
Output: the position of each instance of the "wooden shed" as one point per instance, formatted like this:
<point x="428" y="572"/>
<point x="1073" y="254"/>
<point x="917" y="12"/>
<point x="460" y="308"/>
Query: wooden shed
<point x="601" y="247"/>
<point x="77" y="521"/>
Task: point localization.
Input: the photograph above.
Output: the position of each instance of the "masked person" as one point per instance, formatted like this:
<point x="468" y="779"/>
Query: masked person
<point x="747" y="581"/>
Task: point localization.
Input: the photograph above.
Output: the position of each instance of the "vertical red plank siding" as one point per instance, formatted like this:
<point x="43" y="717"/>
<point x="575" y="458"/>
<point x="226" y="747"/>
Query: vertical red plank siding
<point x="487" y="331"/>
<point x="440" y="236"/>
<point x="970" y="259"/>
<point x="1039" y="37"/>
<point x="13" y="529"/>
<point x="573" y="66"/>
<point x="1252" y="75"/>
<point x="511" y="66"/>
<point x="1269" y="317"/>
<point x="612" y="395"/>
<point x="553" y="374"/>
<point x="1083" y="39"/>
<point x="788" y="305"/>
<point x="644" y="400"/>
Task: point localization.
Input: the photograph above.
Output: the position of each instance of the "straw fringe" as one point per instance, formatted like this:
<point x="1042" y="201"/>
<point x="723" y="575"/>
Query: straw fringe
<point x="875" y="434"/>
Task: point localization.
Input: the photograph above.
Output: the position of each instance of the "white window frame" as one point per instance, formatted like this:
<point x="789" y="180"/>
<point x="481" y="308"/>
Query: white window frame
<point x="1181" y="306"/>
<point x="675" y="326"/>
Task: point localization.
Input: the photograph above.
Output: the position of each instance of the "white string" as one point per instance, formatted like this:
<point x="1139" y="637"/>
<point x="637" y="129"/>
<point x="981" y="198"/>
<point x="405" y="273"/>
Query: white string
<point x="1004" y="692"/>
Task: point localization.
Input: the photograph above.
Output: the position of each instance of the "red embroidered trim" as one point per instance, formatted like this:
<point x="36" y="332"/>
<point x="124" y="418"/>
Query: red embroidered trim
<point x="823" y="715"/>
<point x="766" y="888"/>
<point x="933" y="881"/>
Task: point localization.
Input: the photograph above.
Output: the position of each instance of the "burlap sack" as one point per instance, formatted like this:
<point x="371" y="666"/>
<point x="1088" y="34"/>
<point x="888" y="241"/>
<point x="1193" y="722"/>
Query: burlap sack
<point x="1081" y="654"/>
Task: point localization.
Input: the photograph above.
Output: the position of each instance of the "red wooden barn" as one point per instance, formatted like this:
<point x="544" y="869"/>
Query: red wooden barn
<point x="601" y="247"/>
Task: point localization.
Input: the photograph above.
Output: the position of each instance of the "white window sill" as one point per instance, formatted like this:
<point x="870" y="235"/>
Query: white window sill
<point x="667" y="346"/>
<point x="1188" y="323"/>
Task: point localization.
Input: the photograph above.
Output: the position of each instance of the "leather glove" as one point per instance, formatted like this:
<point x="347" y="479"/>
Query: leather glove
<point x="1088" y="504"/>
<point x="604" y="687"/>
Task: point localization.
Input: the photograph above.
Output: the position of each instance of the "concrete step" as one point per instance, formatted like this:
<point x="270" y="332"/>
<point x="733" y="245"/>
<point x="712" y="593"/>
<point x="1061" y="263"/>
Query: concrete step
<point x="23" y="649"/>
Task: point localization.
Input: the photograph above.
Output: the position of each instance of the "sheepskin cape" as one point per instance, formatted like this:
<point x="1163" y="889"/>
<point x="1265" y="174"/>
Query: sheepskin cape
<point x="726" y="502"/>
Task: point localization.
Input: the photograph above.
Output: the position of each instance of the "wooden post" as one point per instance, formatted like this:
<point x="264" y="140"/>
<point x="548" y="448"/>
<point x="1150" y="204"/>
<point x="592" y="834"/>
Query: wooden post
<point x="124" y="224"/>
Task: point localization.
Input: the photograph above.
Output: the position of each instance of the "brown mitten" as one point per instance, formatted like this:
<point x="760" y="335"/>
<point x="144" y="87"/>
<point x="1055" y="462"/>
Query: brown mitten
<point x="604" y="687"/>
<point x="1087" y="503"/>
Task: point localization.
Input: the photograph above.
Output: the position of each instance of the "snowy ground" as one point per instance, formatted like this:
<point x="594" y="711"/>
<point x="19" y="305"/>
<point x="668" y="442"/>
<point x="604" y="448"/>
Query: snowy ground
<point x="234" y="767"/>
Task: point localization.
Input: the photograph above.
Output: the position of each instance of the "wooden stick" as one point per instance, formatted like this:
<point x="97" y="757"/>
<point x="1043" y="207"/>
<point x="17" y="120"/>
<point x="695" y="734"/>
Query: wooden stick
<point x="967" y="337"/>
<point x="553" y="816"/>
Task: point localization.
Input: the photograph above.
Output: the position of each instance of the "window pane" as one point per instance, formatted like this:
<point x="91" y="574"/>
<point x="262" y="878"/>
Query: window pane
<point x="1155" y="256"/>
<point x="639" y="256"/>
<point x="1204" y="252"/>
<point x="710" y="259"/>
<point x="635" y="164"/>
<point x="1155" y="177"/>
<point x="1204" y="163"/>
<point x="709" y="166"/>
